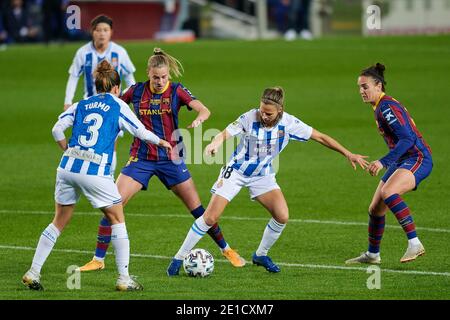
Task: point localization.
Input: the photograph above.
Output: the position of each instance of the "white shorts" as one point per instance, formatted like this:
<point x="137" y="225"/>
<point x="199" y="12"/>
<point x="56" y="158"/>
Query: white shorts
<point x="100" y="191"/>
<point x="230" y="182"/>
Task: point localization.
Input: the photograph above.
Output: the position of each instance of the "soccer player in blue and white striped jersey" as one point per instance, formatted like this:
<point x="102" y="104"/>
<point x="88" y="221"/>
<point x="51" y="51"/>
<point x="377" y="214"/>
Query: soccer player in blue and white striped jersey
<point x="84" y="168"/>
<point x="265" y="132"/>
<point x="88" y="56"/>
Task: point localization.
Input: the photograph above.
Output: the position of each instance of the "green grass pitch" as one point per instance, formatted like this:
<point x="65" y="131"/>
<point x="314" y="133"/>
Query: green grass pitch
<point x="328" y="200"/>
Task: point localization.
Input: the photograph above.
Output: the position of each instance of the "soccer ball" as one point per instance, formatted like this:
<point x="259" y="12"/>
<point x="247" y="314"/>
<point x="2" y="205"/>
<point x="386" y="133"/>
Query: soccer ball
<point x="198" y="263"/>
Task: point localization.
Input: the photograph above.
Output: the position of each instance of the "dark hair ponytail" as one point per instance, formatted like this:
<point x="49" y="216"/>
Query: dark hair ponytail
<point x="376" y="72"/>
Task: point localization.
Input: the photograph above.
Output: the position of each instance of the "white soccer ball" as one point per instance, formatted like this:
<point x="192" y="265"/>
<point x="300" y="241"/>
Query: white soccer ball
<point x="198" y="263"/>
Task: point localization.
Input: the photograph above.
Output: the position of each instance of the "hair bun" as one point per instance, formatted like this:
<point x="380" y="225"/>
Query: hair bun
<point x="104" y="67"/>
<point x="157" y="51"/>
<point x="380" y="67"/>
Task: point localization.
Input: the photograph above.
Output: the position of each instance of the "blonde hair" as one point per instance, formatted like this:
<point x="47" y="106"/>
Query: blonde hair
<point x="161" y="59"/>
<point x="274" y="96"/>
<point x="106" y="77"/>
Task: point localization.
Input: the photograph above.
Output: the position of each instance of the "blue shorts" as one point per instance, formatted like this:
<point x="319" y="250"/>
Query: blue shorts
<point x="168" y="172"/>
<point x="420" y="168"/>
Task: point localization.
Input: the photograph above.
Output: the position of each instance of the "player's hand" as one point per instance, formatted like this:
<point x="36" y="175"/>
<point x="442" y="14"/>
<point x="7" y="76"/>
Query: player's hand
<point x="358" y="159"/>
<point x="165" y="144"/>
<point x="66" y="106"/>
<point x="195" y="123"/>
<point x="211" y="149"/>
<point x="374" y="168"/>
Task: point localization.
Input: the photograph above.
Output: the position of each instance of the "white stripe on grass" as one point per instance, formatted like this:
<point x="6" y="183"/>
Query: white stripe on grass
<point x="225" y="217"/>
<point x="285" y="264"/>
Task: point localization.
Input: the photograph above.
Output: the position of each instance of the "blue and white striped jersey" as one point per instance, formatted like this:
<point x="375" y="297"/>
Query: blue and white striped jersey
<point x="96" y="123"/>
<point x="259" y="145"/>
<point x="86" y="60"/>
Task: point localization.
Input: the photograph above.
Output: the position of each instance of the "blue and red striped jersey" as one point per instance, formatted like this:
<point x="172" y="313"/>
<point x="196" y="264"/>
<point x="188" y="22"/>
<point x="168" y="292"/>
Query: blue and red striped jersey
<point x="158" y="111"/>
<point x="399" y="132"/>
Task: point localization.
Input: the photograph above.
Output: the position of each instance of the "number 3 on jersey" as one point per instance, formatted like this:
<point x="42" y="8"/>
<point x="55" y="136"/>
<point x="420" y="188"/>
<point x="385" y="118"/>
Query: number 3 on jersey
<point x="92" y="130"/>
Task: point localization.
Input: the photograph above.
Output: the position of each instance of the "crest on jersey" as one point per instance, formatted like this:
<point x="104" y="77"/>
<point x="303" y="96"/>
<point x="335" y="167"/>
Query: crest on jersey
<point x="280" y="133"/>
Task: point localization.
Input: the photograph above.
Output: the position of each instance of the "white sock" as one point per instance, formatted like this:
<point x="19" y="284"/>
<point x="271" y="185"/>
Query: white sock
<point x="197" y="231"/>
<point x="413" y="242"/>
<point x="372" y="254"/>
<point x="271" y="234"/>
<point x="45" y="245"/>
<point x="121" y="245"/>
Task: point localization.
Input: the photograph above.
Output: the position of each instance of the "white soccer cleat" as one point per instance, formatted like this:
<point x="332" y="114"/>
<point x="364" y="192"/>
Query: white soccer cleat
<point x="32" y="280"/>
<point x="127" y="283"/>
<point x="364" y="258"/>
<point x="412" y="253"/>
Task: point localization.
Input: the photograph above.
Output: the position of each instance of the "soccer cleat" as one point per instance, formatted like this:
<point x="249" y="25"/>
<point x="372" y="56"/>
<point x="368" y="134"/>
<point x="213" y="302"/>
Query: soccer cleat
<point x="235" y="259"/>
<point x="127" y="283"/>
<point x="174" y="267"/>
<point x="364" y="258"/>
<point x="412" y="253"/>
<point x="266" y="262"/>
<point x="32" y="280"/>
<point x="92" y="266"/>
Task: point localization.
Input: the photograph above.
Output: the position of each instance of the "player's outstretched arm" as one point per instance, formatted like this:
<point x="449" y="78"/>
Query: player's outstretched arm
<point x="329" y="142"/>
<point x="71" y="87"/>
<point x="165" y="144"/>
<point x="203" y="113"/>
<point x="212" y="148"/>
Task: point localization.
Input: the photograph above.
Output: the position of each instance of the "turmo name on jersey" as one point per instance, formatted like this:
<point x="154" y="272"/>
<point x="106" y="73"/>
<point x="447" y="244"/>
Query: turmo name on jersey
<point x="97" y="105"/>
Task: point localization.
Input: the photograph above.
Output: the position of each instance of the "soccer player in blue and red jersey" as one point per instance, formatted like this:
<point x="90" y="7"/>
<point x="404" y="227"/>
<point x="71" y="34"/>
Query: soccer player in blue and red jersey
<point x="157" y="103"/>
<point x="408" y="162"/>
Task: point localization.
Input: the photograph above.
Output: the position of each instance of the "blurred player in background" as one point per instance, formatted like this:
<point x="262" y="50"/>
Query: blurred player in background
<point x="85" y="166"/>
<point x="265" y="132"/>
<point x="88" y="56"/>
<point x="157" y="103"/>
<point x="408" y="162"/>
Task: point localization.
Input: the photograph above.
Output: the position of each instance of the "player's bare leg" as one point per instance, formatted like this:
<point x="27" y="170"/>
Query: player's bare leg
<point x="63" y="214"/>
<point x="275" y="203"/>
<point x="187" y="192"/>
<point x="121" y="246"/>
<point x="127" y="187"/>
<point x="198" y="229"/>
